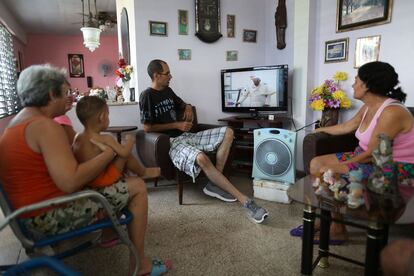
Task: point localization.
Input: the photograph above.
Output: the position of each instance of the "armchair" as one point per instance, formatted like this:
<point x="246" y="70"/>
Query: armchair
<point x="315" y="144"/>
<point x="153" y="151"/>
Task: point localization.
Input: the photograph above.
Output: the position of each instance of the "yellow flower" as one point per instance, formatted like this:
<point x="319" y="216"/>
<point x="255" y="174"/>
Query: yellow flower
<point x="317" y="90"/>
<point x="317" y="105"/>
<point x="345" y="103"/>
<point x="339" y="95"/>
<point x="340" y="76"/>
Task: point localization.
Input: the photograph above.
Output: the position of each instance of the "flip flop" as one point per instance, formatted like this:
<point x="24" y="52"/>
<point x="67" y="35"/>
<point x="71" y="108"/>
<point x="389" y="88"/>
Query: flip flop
<point x="297" y="231"/>
<point x="160" y="267"/>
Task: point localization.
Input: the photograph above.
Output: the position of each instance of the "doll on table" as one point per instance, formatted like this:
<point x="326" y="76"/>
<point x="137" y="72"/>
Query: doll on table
<point x="356" y="189"/>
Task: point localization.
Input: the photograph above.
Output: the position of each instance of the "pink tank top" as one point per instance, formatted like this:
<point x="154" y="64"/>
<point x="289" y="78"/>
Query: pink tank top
<point x="403" y="148"/>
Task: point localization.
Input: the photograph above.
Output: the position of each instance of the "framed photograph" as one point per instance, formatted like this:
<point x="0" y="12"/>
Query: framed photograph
<point x="158" y="28"/>
<point x="336" y="50"/>
<point x="182" y="22"/>
<point x="357" y="14"/>
<point x="249" y="35"/>
<point x="367" y="50"/>
<point x="232" y="55"/>
<point x="184" y="54"/>
<point x="76" y="67"/>
<point x="231" y="22"/>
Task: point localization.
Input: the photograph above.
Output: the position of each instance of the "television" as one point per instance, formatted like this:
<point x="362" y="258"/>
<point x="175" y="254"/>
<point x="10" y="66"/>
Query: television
<point x="260" y="90"/>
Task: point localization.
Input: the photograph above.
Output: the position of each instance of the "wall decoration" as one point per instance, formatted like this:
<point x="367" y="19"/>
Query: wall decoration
<point x="207" y="17"/>
<point x="231" y="25"/>
<point x="367" y="50"/>
<point x="158" y="28"/>
<point x="76" y="67"/>
<point x="232" y="55"/>
<point x="184" y="54"/>
<point x="182" y="22"/>
<point x="336" y="50"/>
<point x="281" y="24"/>
<point x="249" y="35"/>
<point x="125" y="36"/>
<point x="19" y="62"/>
<point x="358" y="14"/>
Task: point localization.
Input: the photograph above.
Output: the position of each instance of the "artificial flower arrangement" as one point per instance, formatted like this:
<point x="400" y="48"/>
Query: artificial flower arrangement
<point x="98" y="92"/>
<point x="329" y="96"/>
<point x="123" y="72"/>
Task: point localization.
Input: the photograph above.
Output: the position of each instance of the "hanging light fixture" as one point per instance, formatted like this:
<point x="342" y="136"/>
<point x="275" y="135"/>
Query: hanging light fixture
<point x="90" y="29"/>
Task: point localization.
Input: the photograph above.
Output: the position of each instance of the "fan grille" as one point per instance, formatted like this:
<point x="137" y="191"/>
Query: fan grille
<point x="273" y="157"/>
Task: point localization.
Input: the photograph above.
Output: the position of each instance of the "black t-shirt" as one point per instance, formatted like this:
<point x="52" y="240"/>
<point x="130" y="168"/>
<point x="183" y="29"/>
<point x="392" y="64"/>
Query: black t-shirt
<point x="161" y="107"/>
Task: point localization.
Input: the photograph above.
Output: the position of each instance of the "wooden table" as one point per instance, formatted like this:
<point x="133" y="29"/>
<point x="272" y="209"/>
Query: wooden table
<point x="375" y="221"/>
<point x="119" y="129"/>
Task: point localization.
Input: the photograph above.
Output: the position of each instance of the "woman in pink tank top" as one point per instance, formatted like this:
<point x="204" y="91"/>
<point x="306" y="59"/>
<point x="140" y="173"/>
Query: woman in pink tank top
<point x="376" y="85"/>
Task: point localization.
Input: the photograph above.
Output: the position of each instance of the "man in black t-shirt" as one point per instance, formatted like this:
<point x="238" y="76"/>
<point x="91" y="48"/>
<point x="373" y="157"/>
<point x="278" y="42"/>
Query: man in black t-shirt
<point x="163" y="111"/>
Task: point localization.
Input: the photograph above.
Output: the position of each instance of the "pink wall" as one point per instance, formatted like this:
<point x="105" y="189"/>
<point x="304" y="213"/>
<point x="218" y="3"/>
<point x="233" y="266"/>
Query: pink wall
<point x="54" y="49"/>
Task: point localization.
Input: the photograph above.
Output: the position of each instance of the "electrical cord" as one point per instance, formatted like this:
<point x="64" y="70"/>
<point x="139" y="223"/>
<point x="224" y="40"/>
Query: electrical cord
<point x="316" y="122"/>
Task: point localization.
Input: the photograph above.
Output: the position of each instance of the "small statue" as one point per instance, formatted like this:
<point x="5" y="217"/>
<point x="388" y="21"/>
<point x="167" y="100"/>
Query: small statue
<point x="281" y="24"/>
<point x="356" y="189"/>
<point x="317" y="181"/>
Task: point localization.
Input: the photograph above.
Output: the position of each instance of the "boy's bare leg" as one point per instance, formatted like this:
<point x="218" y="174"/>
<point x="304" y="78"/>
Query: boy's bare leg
<point x="224" y="150"/>
<point x="136" y="167"/>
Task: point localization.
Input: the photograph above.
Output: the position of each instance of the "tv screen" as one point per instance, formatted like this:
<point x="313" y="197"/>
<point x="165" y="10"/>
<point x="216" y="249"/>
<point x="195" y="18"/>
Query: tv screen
<point x="255" y="90"/>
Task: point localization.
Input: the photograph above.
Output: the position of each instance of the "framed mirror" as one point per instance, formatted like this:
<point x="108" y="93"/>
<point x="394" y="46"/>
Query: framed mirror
<point x="125" y="36"/>
<point x="207" y="17"/>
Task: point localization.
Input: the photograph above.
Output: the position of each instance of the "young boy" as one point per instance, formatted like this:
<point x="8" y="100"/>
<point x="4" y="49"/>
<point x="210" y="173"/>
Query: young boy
<point x="93" y="113"/>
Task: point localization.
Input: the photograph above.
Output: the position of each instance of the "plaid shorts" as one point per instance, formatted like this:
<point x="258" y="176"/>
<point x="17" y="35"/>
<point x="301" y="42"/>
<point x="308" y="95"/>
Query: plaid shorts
<point x="185" y="148"/>
<point x="78" y="213"/>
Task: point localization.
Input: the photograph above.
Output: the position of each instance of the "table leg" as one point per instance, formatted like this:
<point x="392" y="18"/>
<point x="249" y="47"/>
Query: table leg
<point x="307" y="240"/>
<point x="324" y="238"/>
<point x="119" y="137"/>
<point x="374" y="245"/>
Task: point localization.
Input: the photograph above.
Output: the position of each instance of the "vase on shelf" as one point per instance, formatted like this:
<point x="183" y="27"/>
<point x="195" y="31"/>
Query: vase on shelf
<point x="329" y="117"/>
<point x="126" y="91"/>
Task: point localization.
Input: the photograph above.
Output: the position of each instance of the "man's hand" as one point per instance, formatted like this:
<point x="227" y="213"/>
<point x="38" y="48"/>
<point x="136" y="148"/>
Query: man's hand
<point x="184" y="126"/>
<point x="188" y="113"/>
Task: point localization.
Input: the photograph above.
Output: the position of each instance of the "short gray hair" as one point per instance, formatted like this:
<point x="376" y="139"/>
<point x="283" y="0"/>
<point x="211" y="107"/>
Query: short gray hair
<point x="36" y="81"/>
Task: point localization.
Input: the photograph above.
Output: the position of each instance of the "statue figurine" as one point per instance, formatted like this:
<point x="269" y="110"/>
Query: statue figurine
<point x="281" y="24"/>
<point x="356" y="189"/>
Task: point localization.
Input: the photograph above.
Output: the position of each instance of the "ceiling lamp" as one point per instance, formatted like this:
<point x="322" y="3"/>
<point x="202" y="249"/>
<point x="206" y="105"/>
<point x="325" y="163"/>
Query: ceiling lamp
<point x="90" y="29"/>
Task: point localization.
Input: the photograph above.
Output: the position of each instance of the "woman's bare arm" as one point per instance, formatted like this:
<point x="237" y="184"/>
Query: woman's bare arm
<point x="49" y="139"/>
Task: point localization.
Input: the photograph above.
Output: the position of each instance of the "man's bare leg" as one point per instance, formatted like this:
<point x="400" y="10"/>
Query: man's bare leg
<point x="215" y="176"/>
<point x="224" y="149"/>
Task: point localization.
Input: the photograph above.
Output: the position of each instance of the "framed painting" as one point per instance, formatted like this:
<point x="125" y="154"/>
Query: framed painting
<point x="232" y="55"/>
<point x="158" y="28"/>
<point x="184" y="54"/>
<point x="250" y="36"/>
<point x="336" y="50"/>
<point x="207" y="18"/>
<point x="367" y="50"/>
<point x="357" y="14"/>
<point x="76" y="66"/>
<point x="231" y="22"/>
<point x="182" y="22"/>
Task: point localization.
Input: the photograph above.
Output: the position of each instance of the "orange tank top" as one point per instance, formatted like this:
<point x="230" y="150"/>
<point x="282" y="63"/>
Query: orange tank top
<point x="23" y="172"/>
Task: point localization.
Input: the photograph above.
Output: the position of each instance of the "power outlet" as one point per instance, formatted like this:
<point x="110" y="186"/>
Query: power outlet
<point x="271" y="117"/>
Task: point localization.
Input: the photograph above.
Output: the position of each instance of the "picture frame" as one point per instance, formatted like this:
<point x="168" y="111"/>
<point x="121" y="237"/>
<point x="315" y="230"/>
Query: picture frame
<point x="336" y="50"/>
<point x="76" y="66"/>
<point x="184" y="54"/>
<point x="158" y="28"/>
<point x="249" y="36"/>
<point x="357" y="14"/>
<point x="207" y="20"/>
<point x="231" y="23"/>
<point x="232" y="55"/>
<point x="182" y="22"/>
<point x="367" y="50"/>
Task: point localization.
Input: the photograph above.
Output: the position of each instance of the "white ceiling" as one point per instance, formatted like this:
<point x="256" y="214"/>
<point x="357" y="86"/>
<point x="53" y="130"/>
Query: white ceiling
<point x="55" y="16"/>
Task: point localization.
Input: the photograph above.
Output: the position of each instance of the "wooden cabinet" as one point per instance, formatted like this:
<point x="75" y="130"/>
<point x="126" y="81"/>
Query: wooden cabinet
<point x="243" y="144"/>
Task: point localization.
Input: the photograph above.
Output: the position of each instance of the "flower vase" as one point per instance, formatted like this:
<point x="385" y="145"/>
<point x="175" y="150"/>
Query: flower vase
<point x="126" y="91"/>
<point x="329" y="117"/>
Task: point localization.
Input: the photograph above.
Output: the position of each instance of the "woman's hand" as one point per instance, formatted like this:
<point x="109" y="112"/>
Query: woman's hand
<point x="103" y="147"/>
